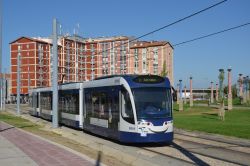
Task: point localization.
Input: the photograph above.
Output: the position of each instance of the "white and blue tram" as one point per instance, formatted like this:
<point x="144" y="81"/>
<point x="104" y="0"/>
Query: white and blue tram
<point x="128" y="108"/>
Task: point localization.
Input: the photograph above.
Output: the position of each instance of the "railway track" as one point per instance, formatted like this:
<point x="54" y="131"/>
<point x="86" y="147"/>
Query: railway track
<point x="212" y="138"/>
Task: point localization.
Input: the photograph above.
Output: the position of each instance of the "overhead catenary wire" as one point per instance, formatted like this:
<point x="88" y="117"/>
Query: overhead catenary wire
<point x="211" y="34"/>
<point x="174" y="45"/>
<point x="168" y="25"/>
<point x="190" y="40"/>
<point x="159" y="29"/>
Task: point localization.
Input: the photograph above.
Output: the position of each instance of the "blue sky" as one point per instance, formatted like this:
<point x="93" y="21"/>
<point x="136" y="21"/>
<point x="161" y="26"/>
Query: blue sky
<point x="96" y="18"/>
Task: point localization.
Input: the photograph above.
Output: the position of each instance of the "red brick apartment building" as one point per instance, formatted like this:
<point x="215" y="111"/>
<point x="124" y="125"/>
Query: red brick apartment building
<point x="81" y="59"/>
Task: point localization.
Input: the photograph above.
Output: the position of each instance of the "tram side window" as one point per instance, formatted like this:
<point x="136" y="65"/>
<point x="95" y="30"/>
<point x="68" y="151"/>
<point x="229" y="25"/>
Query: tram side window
<point x="127" y="111"/>
<point x="46" y="101"/>
<point x="89" y="105"/>
<point x="100" y="105"/>
<point x="34" y="102"/>
<point x="69" y="103"/>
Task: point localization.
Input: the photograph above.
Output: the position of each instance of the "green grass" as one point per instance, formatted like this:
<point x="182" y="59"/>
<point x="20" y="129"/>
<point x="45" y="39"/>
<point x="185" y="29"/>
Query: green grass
<point x="205" y="119"/>
<point x="18" y="121"/>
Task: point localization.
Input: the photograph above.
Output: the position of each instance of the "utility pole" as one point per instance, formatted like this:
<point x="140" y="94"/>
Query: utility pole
<point x="18" y="79"/>
<point x="55" y="77"/>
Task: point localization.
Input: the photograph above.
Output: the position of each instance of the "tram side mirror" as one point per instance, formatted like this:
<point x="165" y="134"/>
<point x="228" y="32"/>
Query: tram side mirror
<point x="174" y="94"/>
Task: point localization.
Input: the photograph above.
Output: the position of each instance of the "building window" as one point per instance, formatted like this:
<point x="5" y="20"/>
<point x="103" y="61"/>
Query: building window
<point x="123" y="65"/>
<point x="136" y="60"/>
<point x="105" y="58"/>
<point x="92" y="59"/>
<point x="112" y="58"/>
<point x="155" y="64"/>
<point x="27" y="46"/>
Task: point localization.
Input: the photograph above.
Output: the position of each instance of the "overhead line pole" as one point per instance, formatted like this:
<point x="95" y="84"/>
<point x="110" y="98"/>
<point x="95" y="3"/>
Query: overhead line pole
<point x="1" y="82"/>
<point x="55" y="77"/>
<point x="18" y="79"/>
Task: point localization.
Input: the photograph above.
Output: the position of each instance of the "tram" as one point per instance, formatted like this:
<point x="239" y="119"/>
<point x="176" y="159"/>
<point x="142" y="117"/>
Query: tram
<point x="127" y="108"/>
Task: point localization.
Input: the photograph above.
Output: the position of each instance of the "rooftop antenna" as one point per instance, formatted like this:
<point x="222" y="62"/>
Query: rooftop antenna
<point x="60" y="29"/>
<point x="76" y="29"/>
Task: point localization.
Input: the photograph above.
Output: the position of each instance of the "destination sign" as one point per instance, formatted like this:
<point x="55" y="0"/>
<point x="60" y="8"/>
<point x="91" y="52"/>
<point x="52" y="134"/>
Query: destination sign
<point x="148" y="79"/>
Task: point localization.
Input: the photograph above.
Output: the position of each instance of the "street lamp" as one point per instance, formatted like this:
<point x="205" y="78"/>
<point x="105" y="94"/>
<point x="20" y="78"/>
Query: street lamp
<point x="180" y="101"/>
<point x="247" y="88"/>
<point x="191" y="92"/>
<point x="212" y="92"/>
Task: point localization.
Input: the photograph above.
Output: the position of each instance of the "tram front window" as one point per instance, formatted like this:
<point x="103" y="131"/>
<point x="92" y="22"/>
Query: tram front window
<point x="152" y="102"/>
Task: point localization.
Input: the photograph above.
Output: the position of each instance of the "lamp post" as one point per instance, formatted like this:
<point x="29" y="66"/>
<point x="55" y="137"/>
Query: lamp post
<point x="178" y="93"/>
<point x="229" y="97"/>
<point x="247" y="88"/>
<point x="240" y="81"/>
<point x="191" y="92"/>
<point x="244" y="90"/>
<point x="212" y="92"/>
<point x="180" y="100"/>
<point x="185" y="94"/>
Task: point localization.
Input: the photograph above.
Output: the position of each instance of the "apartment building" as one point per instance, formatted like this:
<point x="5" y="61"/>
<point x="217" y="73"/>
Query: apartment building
<point x="149" y="57"/>
<point x="84" y="59"/>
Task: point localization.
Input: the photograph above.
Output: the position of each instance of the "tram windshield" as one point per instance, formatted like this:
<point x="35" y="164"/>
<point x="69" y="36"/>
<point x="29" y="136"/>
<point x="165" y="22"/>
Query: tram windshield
<point x="152" y="102"/>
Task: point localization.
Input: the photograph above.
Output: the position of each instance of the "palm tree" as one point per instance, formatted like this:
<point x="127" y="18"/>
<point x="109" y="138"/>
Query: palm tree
<point x="221" y="79"/>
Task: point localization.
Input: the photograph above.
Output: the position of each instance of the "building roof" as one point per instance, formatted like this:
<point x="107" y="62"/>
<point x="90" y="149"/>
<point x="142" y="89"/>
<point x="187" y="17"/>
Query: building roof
<point x="29" y="38"/>
<point x="107" y="39"/>
<point x="36" y="39"/>
<point x="144" y="44"/>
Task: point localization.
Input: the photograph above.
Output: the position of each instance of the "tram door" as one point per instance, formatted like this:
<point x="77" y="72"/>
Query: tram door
<point x="113" y="110"/>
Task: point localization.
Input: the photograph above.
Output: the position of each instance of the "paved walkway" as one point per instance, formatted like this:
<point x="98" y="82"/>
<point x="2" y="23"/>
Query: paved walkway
<point x="21" y="148"/>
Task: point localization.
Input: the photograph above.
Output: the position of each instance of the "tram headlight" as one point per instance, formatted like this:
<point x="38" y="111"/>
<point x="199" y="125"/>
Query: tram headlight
<point x="167" y="122"/>
<point x="149" y="124"/>
<point x="144" y="123"/>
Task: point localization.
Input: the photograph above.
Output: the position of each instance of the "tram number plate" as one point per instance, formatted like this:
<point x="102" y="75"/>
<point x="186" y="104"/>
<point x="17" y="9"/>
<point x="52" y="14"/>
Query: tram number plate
<point x="143" y="133"/>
